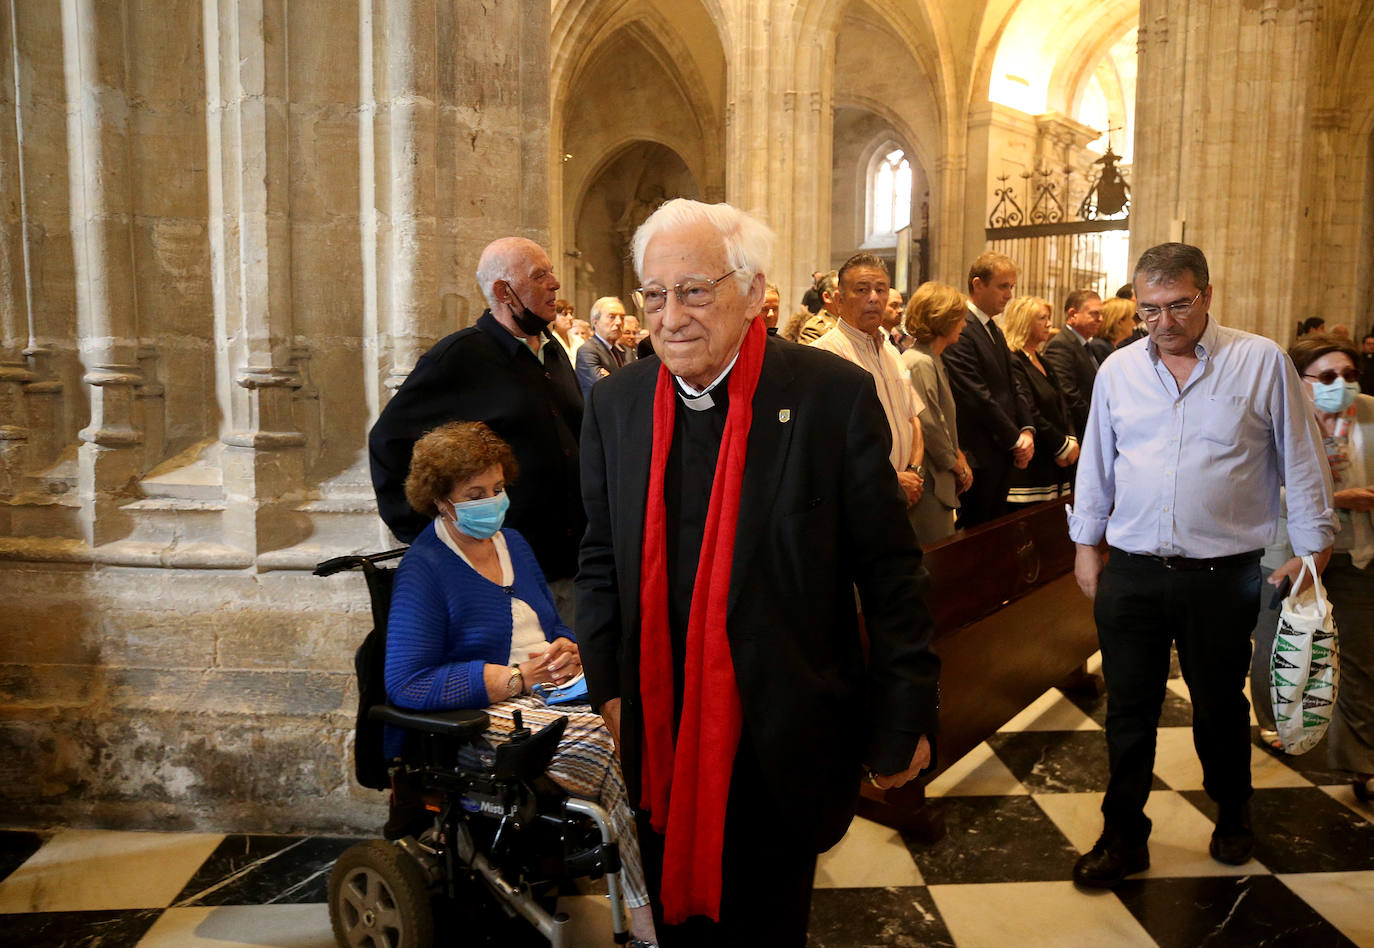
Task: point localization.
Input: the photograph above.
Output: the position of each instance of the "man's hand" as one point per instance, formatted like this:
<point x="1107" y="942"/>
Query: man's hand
<point x="1087" y="567"/>
<point x="1355" y="498"/>
<point x="610" y="713"/>
<point x="919" y="761"/>
<point x="963" y="474"/>
<point x="1293" y="567"/>
<point x="1023" y="450"/>
<point x="912" y="485"/>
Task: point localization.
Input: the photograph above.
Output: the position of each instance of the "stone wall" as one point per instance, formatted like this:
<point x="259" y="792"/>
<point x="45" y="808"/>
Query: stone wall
<point x="228" y="228"/>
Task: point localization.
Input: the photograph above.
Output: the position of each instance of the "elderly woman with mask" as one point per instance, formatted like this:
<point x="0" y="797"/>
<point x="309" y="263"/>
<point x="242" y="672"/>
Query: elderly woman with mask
<point x="1328" y="367"/>
<point x="473" y="625"/>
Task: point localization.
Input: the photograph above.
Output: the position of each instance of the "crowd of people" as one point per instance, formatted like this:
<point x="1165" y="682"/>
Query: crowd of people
<point x="705" y="504"/>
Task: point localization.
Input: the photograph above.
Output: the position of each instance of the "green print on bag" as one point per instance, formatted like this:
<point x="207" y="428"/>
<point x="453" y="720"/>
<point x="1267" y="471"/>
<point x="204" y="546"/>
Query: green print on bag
<point x="1304" y="667"/>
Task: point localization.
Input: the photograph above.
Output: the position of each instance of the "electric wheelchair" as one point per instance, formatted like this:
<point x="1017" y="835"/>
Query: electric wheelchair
<point x="496" y="835"/>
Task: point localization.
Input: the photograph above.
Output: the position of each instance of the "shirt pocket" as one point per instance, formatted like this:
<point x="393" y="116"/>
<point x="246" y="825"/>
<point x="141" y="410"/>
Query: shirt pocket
<point x="1228" y="419"/>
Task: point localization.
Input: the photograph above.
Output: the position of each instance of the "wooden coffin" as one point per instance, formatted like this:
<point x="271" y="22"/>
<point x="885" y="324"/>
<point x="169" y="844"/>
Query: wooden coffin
<point x="1010" y="623"/>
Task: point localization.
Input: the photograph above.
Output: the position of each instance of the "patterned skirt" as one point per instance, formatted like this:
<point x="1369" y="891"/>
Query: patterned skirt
<point x="587" y="767"/>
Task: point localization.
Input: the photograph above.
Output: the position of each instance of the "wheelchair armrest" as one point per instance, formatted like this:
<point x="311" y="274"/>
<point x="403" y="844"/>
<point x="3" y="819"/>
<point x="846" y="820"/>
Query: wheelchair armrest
<point x="463" y="724"/>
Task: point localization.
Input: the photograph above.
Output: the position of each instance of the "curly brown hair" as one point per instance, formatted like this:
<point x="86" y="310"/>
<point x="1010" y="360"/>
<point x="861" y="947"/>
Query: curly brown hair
<point x="934" y="310"/>
<point x="449" y="455"/>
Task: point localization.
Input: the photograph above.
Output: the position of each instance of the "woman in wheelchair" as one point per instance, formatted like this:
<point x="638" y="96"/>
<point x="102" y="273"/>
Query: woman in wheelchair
<point x="473" y="625"/>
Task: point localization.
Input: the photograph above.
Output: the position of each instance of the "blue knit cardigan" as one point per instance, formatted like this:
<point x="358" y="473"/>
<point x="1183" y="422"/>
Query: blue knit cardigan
<point x="448" y="621"/>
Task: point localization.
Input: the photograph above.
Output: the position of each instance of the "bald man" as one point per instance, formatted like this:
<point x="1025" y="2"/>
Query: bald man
<point x="507" y="371"/>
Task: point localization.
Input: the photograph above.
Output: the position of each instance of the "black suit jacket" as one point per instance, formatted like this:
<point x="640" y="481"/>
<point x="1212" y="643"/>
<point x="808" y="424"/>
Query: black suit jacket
<point x="483" y="373"/>
<point x="593" y="356"/>
<point x="1074" y="369"/>
<point x="820" y="512"/>
<point x="991" y="406"/>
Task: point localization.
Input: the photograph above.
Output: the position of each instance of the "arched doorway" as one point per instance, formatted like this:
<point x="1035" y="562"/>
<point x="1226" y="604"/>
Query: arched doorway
<point x="621" y="195"/>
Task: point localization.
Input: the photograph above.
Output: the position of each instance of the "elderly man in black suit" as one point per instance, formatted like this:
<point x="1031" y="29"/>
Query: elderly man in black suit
<point x="738" y="489"/>
<point x="1069" y="357"/>
<point x="603" y="354"/>
<point x="506" y="371"/>
<point x="994" y="414"/>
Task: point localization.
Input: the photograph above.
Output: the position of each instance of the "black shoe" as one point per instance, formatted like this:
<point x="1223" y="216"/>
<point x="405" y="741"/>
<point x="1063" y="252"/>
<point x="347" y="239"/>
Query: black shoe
<point x="1110" y="861"/>
<point x="1362" y="787"/>
<point x="1233" y="840"/>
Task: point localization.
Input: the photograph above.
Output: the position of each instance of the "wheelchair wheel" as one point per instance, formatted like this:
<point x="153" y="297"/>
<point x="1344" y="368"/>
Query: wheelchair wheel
<point x="378" y="898"/>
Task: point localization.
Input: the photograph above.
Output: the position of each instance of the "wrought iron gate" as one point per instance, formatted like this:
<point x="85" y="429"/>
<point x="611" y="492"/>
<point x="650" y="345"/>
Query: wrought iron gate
<point x="1057" y="247"/>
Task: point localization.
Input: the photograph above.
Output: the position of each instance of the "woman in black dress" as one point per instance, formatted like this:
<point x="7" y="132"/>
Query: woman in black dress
<point x="1049" y="475"/>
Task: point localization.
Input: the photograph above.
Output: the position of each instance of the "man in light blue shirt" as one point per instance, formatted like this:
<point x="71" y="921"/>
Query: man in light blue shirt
<point x="1189" y="439"/>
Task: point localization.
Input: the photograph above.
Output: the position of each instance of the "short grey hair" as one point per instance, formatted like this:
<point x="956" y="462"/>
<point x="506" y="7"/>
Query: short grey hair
<point x="599" y="308"/>
<point x="498" y="262"/>
<point x="748" y="240"/>
<point x="1166" y="263"/>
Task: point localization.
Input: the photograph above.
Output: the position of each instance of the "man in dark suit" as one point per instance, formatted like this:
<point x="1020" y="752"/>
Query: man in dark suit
<point x="1068" y="357"/>
<point x="737" y="491"/>
<point x="603" y="354"/>
<point x="994" y="416"/>
<point x="506" y="371"/>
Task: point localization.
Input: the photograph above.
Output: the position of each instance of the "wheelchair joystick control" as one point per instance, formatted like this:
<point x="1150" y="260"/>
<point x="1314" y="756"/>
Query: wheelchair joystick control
<point x="521" y="732"/>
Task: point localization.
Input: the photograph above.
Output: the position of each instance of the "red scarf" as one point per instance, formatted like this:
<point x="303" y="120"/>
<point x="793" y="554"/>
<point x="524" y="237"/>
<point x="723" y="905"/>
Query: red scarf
<point x="685" y="787"/>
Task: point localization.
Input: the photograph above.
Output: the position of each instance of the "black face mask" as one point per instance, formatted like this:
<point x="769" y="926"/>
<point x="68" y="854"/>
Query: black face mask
<point x="528" y="321"/>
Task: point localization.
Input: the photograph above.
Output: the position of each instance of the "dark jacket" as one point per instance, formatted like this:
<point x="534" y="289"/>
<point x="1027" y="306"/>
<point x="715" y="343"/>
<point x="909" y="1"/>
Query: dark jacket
<point x="1074" y="369"/>
<point x="593" y="356"/>
<point x="1043" y="479"/>
<point x="820" y="512"/>
<point x="991" y="407"/>
<point x="483" y="373"/>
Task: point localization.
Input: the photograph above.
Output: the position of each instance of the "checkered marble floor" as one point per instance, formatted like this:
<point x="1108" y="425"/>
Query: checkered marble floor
<point x="1019" y="809"/>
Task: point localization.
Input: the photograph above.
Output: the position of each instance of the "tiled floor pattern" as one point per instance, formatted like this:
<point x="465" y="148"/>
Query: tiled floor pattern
<point x="1019" y="809"/>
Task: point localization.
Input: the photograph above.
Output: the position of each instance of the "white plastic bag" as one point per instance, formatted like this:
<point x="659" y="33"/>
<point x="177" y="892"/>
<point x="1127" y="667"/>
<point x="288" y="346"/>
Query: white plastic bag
<point x="1304" y="666"/>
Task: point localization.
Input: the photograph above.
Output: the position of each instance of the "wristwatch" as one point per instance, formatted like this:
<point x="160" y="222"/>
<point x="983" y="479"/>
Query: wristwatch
<point x="516" y="684"/>
<point x="918" y="470"/>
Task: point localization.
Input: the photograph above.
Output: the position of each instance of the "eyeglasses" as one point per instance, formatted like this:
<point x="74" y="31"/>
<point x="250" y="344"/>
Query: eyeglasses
<point x="692" y="293"/>
<point x="1330" y="375"/>
<point x="1177" y="310"/>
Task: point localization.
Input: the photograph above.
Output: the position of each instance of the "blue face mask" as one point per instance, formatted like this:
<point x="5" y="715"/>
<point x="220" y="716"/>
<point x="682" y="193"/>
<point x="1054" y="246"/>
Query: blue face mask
<point x="481" y="518"/>
<point x="1336" y="397"/>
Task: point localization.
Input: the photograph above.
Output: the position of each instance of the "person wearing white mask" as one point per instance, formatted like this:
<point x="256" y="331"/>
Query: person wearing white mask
<point x="473" y="625"/>
<point x="1329" y="367"/>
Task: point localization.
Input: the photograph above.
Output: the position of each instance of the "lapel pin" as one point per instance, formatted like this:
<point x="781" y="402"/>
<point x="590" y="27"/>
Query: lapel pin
<point x="784" y="415"/>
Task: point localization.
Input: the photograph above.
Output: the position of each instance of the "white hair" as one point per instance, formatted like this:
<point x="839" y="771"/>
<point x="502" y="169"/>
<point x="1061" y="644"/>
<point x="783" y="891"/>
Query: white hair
<point x="748" y="240"/>
<point x="498" y="262"/>
<point x="599" y="308"/>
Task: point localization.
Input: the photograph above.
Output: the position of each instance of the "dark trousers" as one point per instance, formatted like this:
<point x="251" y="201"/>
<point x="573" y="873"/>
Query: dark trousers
<point x="767" y="871"/>
<point x="1141" y="607"/>
<point x="986" y="498"/>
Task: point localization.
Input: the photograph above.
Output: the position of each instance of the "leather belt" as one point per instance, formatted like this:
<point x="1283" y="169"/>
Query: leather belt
<point x="1188" y="563"/>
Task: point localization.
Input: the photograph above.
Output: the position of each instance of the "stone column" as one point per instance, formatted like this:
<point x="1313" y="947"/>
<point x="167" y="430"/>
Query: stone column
<point x="109" y="457"/>
<point x="778" y="127"/>
<point x="1223" y="94"/>
<point x="398" y="89"/>
<point x="246" y="45"/>
<point x="14" y="308"/>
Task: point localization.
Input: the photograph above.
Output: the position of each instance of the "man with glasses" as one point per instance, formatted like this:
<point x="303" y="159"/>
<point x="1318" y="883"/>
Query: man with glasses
<point x="738" y="489"/>
<point x="1189" y="439"/>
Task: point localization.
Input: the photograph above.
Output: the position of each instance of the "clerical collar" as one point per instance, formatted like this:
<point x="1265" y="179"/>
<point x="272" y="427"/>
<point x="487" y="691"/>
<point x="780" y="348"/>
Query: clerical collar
<point x="700" y="399"/>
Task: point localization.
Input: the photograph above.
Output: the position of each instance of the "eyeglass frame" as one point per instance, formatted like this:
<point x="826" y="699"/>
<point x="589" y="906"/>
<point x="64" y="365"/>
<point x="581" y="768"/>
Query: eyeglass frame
<point x="1170" y="309"/>
<point x="681" y="293"/>
<point x="1354" y="376"/>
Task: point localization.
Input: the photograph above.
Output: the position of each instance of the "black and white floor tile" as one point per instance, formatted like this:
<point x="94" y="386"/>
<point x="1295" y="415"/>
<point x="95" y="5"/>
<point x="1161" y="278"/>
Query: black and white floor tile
<point x="1019" y="810"/>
